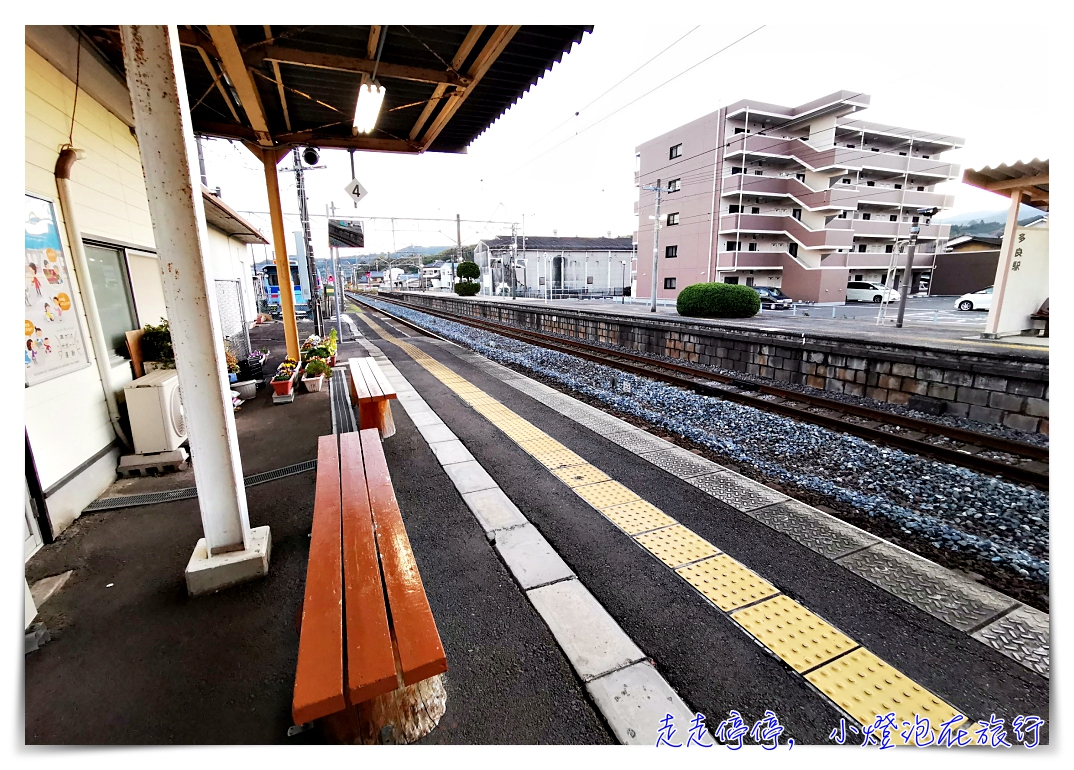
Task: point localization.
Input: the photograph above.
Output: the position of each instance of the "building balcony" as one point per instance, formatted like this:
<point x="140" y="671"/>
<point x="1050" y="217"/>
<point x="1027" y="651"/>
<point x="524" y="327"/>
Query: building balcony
<point x="871" y="228"/>
<point x="787" y="187"/>
<point x="837" y="238"/>
<point x="752" y="260"/>
<point x="836" y="159"/>
<point x="856" y="260"/>
<point x="888" y="196"/>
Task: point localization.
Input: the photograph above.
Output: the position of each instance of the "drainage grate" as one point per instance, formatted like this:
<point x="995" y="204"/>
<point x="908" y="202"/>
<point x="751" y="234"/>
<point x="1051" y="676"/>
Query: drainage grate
<point x="342" y="414"/>
<point x="171" y="495"/>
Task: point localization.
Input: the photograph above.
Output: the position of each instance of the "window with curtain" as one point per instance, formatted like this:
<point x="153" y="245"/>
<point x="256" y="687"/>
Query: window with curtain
<point x="111" y="287"/>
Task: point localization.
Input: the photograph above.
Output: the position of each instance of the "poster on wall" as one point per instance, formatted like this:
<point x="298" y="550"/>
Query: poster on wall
<point x="54" y="345"/>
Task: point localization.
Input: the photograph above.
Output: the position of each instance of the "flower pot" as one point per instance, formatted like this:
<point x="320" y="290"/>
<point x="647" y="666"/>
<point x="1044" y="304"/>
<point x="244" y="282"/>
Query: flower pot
<point x="232" y="376"/>
<point x="246" y="390"/>
<point x="332" y="360"/>
<point x="314" y="384"/>
<point x="284" y="387"/>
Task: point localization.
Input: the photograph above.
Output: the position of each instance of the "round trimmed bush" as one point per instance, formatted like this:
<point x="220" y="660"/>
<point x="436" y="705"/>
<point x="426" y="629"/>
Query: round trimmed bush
<point x="468" y="270"/>
<point x="718" y="300"/>
<point x="467" y="288"/>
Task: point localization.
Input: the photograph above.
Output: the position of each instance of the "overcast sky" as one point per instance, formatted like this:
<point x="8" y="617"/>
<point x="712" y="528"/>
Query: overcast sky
<point x="574" y="174"/>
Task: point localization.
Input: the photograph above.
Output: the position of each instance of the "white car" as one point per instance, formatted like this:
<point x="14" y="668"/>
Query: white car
<point x="978" y="300"/>
<point x="864" y="291"/>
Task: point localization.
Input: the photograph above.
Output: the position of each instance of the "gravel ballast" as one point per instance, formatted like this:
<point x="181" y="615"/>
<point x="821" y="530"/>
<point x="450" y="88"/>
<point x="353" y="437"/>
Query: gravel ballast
<point x="954" y="508"/>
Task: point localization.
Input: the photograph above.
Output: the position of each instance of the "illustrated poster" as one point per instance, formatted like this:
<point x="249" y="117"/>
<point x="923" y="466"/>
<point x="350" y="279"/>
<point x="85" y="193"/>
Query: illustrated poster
<point x="54" y="345"/>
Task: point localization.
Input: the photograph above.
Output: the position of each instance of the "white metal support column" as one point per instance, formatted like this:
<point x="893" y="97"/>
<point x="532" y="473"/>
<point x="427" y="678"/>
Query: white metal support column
<point x="231" y="552"/>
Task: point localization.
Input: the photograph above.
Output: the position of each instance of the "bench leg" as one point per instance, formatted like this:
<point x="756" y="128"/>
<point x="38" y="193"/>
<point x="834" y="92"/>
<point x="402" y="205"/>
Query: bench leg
<point x="384" y="419"/>
<point x="402" y="716"/>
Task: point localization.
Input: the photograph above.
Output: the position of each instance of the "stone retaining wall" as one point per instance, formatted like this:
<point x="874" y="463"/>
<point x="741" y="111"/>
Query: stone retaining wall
<point x="991" y="387"/>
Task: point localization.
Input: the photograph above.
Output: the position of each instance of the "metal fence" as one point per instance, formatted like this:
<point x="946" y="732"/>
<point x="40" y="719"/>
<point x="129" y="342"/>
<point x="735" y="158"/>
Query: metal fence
<point x="233" y="317"/>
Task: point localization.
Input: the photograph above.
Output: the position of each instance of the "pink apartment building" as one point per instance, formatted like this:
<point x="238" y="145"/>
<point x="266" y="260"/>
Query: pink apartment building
<point x="804" y="198"/>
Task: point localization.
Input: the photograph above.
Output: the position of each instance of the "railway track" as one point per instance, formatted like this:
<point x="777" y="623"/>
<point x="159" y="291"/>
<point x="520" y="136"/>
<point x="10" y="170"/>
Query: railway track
<point x="1013" y="460"/>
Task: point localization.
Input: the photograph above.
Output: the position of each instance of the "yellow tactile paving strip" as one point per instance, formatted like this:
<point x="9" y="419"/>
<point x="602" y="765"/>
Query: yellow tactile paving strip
<point x="859" y="682"/>
<point x="863" y="686"/>
<point x="793" y="632"/>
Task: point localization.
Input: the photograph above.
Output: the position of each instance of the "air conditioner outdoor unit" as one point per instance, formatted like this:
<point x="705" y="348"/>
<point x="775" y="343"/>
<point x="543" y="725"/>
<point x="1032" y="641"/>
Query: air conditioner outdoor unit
<point x="155" y="409"/>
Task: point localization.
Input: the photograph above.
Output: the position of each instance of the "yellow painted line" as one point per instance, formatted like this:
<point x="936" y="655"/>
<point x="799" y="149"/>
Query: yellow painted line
<point x="726" y="582"/>
<point x="637" y="516"/>
<point x="605" y="494"/>
<point x="859" y="682"/>
<point x="793" y="633"/>
<point x="863" y="686"/>
<point x="579" y="475"/>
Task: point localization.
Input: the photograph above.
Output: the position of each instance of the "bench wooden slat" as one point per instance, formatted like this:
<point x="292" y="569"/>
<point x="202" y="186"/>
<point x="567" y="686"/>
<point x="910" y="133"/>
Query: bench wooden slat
<point x="382" y="380"/>
<point x="421" y="654"/>
<point x="370" y="379"/>
<point x="359" y="392"/>
<point x="370" y="659"/>
<point x="319" y="674"/>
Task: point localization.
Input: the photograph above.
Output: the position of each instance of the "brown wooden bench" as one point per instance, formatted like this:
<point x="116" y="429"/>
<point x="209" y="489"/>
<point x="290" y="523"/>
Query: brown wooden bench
<point x="370" y="393"/>
<point x="369" y="653"/>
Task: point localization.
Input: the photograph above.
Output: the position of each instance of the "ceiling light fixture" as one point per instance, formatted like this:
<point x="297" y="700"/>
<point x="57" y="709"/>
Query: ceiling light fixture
<point x="367" y="109"/>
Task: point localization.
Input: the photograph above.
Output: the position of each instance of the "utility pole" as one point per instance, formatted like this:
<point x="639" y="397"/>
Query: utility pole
<point x="458" y="249"/>
<point x="304" y="217"/>
<point x="201" y="162"/>
<point x="337" y="286"/>
<point x="656" y="238"/>
<point x="908" y="276"/>
<point x="514" y="256"/>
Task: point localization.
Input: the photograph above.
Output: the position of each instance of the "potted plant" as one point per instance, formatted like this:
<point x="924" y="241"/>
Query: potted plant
<point x="332" y="343"/>
<point x="156" y="343"/>
<point x="313" y="377"/>
<point x="232" y="365"/>
<point x="284" y="379"/>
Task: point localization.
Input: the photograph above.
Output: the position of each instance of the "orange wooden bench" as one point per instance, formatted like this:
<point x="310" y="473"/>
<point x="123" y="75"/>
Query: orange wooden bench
<point x="368" y="650"/>
<point x="371" y="392"/>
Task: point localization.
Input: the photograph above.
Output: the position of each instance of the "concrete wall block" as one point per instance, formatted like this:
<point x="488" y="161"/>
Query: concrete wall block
<point x="861" y="376"/>
<point x="837" y="361"/>
<point x="972" y="396"/>
<point x="767" y="371"/>
<point x="904" y="370"/>
<point x="947" y="392"/>
<point x="815" y="382"/>
<point x="753" y="369"/>
<point x="854" y="390"/>
<point x="1036" y="407"/>
<point x="775" y="362"/>
<point x="918" y="387"/>
<point x="1006" y="402"/>
<point x="1043" y="428"/>
<point x="1026" y="388"/>
<point x="871" y="379"/>
<point x="931" y="374"/>
<point x="984" y="414"/>
<point x="877" y="394"/>
<point x="887" y="381"/>
<point x="857" y="363"/>
<point x="816" y="357"/>
<point x="988" y="382"/>
<point x="956" y="409"/>
<point x="959" y="378"/>
<point x="898" y="397"/>
<point x="784" y="375"/>
<point x="835" y="386"/>
<point x="882" y="367"/>
<point x="1022" y="422"/>
<point x="808" y="369"/>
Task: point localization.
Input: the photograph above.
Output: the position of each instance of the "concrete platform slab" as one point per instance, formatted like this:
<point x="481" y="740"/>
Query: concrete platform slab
<point x="450" y="452"/>
<point x="469" y="477"/>
<point x="493" y="509"/>
<point x="45" y="588"/>
<point x="530" y="557"/>
<point x="592" y="640"/>
<point x="635" y="700"/>
<point x="435" y="432"/>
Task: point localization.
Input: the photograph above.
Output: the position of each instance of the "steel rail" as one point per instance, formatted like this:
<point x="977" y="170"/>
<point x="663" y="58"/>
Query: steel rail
<point x="652" y="369"/>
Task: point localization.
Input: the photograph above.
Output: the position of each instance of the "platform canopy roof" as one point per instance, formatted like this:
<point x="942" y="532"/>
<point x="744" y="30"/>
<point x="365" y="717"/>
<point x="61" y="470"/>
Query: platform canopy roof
<point x="1029" y="176"/>
<point x="298" y="85"/>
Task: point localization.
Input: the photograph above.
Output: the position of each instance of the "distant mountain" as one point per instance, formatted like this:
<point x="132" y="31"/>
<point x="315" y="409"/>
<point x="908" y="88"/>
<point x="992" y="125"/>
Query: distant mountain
<point x="996" y="215"/>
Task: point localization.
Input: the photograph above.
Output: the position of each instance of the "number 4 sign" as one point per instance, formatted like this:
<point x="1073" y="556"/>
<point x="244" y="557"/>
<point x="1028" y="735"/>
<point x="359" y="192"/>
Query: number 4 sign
<point x="355" y="190"/>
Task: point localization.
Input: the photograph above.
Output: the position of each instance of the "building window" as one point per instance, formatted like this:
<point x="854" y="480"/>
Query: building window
<point x="676" y="151"/>
<point x="674" y="185"/>
<point x="112" y="289"/>
<point x="731" y="279"/>
<point x="850" y="146"/>
<point x="889" y="249"/>
<point x="757" y="173"/>
<point x="540" y="281"/>
<point x="861" y="248"/>
<point x="671" y="252"/>
<point x="800" y="177"/>
<point x="740" y="130"/>
<point x="902" y="153"/>
<point x="843" y="214"/>
<point x="870" y="184"/>
<point x="866" y="216"/>
<point x="797" y="214"/>
<point x="859" y="276"/>
<point x="669" y="283"/>
<point x="752" y="246"/>
<point x="734" y="208"/>
<point x="921" y="189"/>
<point x="893" y="218"/>
<point x="898" y="186"/>
<point x="589" y="279"/>
<point x="875" y="149"/>
<point x="736" y="170"/>
<point x="846" y="181"/>
<point x="749" y="281"/>
<point x="926" y="157"/>
<point x="733" y="245"/>
<point x="673" y="219"/>
<point x="793" y="249"/>
<point x="915" y="220"/>
<point x="755" y="210"/>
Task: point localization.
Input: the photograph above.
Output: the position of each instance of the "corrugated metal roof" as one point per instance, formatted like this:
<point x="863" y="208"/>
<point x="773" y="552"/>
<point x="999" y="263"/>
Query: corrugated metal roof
<point x="1000" y="179"/>
<point x="227" y="220"/>
<point x="544" y="243"/>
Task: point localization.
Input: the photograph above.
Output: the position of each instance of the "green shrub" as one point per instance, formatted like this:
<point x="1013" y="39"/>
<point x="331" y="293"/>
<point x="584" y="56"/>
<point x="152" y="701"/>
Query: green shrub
<point x="718" y="300"/>
<point x="468" y="271"/>
<point x="315" y="367"/>
<point x="157" y="344"/>
<point x="467" y="289"/>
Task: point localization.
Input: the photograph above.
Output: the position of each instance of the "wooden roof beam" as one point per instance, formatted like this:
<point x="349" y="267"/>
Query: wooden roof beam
<point x="279" y="84"/>
<point x="468" y="44"/>
<point x="374" y="38"/>
<point x="236" y="69"/>
<point x="501" y="37"/>
<point x="327" y="61"/>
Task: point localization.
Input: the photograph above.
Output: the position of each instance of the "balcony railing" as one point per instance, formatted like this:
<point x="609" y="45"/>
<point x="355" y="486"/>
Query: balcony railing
<point x="838" y="157"/>
<point x="766" y="223"/>
<point x="834" y="198"/>
<point x="881" y="229"/>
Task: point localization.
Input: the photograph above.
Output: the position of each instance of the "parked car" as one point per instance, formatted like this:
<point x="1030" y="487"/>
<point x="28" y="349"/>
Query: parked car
<point x="772" y="298"/>
<point x="864" y="291"/>
<point x="978" y="300"/>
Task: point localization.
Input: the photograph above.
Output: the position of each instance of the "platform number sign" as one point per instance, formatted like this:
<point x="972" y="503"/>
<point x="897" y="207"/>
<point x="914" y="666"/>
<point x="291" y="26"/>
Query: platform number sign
<point x="355" y="190"/>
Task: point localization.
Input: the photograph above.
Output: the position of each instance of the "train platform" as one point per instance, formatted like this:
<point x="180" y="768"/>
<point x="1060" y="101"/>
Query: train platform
<point x="931" y="323"/>
<point x="587" y="578"/>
